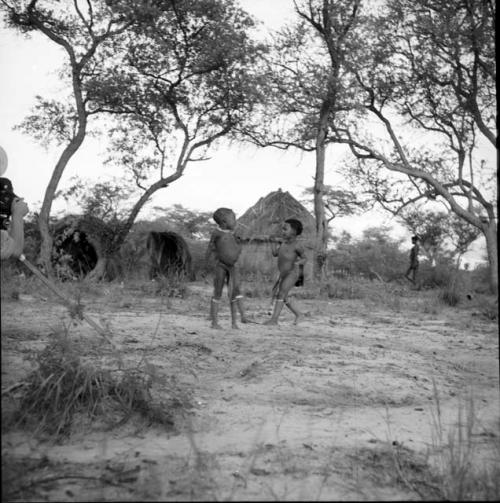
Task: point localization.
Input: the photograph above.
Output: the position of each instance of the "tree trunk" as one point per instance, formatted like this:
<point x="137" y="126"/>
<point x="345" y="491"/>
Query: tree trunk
<point x="43" y="219"/>
<point x="107" y="268"/>
<point x="67" y="154"/>
<point x="98" y="273"/>
<point x="320" y="247"/>
<point x="490" y="234"/>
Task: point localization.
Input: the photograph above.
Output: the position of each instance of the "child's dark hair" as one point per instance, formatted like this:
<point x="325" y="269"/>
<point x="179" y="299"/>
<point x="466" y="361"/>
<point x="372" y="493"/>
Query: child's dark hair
<point x="414" y="239"/>
<point x="220" y="214"/>
<point x="296" y="225"/>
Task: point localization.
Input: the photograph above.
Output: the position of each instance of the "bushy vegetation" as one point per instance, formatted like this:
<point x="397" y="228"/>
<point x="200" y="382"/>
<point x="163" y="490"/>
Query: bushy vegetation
<point x="368" y="267"/>
<point x="375" y="253"/>
<point x="459" y="476"/>
<point x="65" y="385"/>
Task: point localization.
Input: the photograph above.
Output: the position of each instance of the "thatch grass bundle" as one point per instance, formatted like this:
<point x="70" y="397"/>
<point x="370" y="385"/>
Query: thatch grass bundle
<point x="63" y="386"/>
<point x="262" y="222"/>
<point x="267" y="215"/>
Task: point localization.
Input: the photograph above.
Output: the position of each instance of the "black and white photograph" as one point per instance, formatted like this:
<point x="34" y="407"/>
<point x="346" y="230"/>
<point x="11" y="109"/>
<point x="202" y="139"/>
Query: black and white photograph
<point x="249" y="250"/>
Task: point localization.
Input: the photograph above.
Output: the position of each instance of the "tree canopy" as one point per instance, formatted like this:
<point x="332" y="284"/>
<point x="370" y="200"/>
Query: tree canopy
<point x="168" y="79"/>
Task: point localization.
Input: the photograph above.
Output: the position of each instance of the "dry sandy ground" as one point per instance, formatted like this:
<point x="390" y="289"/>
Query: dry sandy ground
<point x="339" y="407"/>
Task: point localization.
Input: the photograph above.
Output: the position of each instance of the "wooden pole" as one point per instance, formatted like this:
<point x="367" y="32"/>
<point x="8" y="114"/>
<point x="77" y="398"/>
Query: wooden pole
<point x="102" y="331"/>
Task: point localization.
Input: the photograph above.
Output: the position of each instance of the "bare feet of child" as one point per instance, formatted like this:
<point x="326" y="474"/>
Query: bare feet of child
<point x="270" y="322"/>
<point x="248" y="319"/>
<point x="298" y="319"/>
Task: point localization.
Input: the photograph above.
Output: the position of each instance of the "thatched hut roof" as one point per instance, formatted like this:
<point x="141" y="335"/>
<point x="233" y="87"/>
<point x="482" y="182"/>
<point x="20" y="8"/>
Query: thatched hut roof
<point x="267" y="215"/>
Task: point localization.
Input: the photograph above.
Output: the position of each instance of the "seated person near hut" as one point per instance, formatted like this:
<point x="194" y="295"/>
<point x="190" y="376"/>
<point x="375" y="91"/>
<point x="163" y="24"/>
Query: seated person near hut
<point x="227" y="248"/>
<point x="291" y="256"/>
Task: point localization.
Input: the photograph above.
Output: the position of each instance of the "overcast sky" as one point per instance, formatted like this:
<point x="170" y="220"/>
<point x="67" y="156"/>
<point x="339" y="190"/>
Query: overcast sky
<point x="236" y="177"/>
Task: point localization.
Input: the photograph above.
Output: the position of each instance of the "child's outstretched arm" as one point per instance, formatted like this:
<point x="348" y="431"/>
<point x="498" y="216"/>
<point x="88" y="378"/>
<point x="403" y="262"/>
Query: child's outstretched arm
<point x="275" y="248"/>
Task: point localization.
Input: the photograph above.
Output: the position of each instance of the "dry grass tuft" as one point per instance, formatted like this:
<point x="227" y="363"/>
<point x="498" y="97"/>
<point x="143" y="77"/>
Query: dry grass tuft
<point x="449" y="296"/>
<point x="64" y="386"/>
<point x="461" y="476"/>
<point x="342" y="289"/>
<point x="490" y="309"/>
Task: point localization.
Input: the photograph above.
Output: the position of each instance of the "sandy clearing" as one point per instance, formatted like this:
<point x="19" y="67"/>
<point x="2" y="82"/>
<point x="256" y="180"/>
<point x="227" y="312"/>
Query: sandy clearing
<point x="288" y="411"/>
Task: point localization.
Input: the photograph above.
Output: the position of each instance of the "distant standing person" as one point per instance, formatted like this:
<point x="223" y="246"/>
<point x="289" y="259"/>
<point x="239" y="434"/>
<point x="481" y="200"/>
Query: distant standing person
<point x="227" y="248"/>
<point x="291" y="257"/>
<point x="413" y="261"/>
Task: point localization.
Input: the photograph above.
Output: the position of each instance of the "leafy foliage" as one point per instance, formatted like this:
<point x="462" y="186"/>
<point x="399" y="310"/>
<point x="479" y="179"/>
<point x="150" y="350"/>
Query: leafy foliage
<point x="440" y="233"/>
<point x="375" y="252"/>
<point x="340" y="202"/>
<point x="188" y="223"/>
<point x="105" y="200"/>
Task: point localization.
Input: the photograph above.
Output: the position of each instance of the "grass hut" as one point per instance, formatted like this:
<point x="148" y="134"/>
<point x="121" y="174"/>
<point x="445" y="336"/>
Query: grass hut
<point x="265" y="219"/>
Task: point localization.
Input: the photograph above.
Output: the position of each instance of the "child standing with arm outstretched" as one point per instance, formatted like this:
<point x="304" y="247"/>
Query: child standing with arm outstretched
<point x="291" y="257"/>
<point x="226" y="248"/>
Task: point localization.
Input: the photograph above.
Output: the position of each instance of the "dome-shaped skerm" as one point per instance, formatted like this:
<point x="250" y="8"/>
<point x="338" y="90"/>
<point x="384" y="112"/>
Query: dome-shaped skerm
<point x="169" y="254"/>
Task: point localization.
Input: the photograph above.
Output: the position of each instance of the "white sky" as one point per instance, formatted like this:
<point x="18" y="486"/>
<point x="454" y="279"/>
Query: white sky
<point x="236" y="177"/>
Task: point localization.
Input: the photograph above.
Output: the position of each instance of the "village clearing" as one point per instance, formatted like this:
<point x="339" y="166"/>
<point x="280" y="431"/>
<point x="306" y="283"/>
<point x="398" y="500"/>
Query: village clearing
<point x="363" y="400"/>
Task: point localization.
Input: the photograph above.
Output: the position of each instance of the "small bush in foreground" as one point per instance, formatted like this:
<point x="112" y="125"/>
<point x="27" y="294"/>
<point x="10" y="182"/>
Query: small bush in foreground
<point x="342" y="289"/>
<point x="449" y="296"/>
<point x="63" y="386"/>
<point x="490" y="309"/>
<point x="461" y="477"/>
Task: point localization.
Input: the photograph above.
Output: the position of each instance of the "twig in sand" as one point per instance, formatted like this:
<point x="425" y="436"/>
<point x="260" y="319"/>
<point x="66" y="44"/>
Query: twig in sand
<point x="45" y="480"/>
<point x="8" y="390"/>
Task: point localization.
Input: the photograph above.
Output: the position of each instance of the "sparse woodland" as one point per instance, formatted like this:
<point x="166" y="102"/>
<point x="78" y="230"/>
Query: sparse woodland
<point x="114" y="386"/>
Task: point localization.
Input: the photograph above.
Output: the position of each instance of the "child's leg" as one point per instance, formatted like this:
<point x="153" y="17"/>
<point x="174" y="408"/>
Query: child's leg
<point x="285" y="286"/>
<point x="214" y="312"/>
<point x="274" y="295"/>
<point x="295" y="311"/>
<point x="278" y="306"/>
<point x="233" y="292"/>
<point x="238" y="298"/>
<point x="219" y="278"/>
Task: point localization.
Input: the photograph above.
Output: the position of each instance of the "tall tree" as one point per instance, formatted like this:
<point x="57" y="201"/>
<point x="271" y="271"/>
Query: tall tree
<point x="339" y="203"/>
<point x="172" y="78"/>
<point x="307" y="90"/>
<point x="430" y="63"/>
<point x="82" y="28"/>
<point x="181" y="83"/>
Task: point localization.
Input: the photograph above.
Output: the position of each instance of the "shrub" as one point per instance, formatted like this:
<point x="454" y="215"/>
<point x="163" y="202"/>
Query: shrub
<point x="460" y="475"/>
<point x="63" y="386"/>
<point x="375" y="251"/>
<point x="480" y="279"/>
<point x="438" y="276"/>
<point x="449" y="296"/>
<point x="171" y="285"/>
<point x="342" y="289"/>
<point x="198" y="250"/>
<point x="490" y="309"/>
